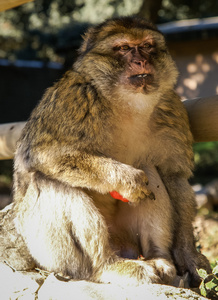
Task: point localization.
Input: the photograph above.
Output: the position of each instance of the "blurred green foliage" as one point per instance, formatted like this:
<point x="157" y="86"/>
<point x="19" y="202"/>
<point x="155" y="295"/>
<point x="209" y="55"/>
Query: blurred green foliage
<point x="6" y="170"/>
<point x="206" y="161"/>
<point x="44" y="29"/>
<point x="187" y="9"/>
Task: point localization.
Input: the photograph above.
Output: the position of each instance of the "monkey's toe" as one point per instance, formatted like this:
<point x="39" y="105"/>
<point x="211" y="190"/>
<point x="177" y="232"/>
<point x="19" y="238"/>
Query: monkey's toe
<point x="164" y="269"/>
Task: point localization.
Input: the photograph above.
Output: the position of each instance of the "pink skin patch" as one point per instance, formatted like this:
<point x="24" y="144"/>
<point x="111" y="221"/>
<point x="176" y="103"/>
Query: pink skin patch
<point x="117" y="196"/>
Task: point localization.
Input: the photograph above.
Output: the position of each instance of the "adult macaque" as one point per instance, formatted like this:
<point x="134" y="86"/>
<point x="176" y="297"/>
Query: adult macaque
<point x="112" y="123"/>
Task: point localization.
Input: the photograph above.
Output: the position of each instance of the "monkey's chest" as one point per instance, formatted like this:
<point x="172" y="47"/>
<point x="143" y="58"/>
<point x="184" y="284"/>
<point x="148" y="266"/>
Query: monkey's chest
<point x="132" y="141"/>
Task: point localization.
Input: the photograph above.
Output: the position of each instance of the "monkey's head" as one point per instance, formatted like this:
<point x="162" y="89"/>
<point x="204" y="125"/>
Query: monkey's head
<point x="128" y="52"/>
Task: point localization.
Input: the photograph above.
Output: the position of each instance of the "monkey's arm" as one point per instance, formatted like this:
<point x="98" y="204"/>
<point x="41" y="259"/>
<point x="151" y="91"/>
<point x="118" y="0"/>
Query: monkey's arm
<point x="80" y="169"/>
<point x="63" y="138"/>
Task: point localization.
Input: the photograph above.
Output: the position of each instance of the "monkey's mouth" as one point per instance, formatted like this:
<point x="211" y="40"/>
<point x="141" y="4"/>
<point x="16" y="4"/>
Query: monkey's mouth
<point x="139" y="76"/>
<point x="141" y="79"/>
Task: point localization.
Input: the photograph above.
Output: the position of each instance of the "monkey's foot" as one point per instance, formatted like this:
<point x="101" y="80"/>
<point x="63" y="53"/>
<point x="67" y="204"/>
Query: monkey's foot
<point x="164" y="268"/>
<point x="190" y="261"/>
<point x="133" y="273"/>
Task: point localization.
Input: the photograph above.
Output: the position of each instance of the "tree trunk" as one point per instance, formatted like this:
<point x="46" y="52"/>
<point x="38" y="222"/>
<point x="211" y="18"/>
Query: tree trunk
<point x="149" y="10"/>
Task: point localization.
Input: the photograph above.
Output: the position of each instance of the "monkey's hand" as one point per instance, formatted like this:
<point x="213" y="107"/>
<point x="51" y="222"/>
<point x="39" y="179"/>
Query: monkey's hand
<point x="133" y="187"/>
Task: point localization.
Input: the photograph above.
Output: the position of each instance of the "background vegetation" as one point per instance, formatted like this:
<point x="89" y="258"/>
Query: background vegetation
<point x="44" y="29"/>
<point x="206" y="162"/>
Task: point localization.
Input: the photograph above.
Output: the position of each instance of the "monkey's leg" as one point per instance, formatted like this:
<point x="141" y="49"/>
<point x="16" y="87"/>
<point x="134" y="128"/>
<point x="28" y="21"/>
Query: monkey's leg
<point x="147" y="229"/>
<point x="186" y="257"/>
<point x="62" y="228"/>
<point x="65" y="232"/>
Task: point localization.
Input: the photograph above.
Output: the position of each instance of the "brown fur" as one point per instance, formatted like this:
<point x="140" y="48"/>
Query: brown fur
<point x="102" y="128"/>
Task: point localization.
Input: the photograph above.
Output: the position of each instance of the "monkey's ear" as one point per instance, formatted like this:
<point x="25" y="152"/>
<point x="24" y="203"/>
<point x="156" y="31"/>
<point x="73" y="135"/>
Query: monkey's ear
<point x="89" y="40"/>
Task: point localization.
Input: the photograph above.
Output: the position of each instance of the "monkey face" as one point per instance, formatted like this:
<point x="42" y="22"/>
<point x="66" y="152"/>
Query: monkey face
<point x="138" y="58"/>
<point x="129" y="53"/>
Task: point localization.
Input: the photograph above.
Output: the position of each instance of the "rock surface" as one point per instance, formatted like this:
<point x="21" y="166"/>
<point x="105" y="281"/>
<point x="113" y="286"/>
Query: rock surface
<point x="35" y="285"/>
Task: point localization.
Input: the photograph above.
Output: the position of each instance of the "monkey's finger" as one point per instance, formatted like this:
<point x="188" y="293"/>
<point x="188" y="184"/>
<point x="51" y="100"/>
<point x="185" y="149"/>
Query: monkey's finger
<point x="152" y="196"/>
<point x="148" y="194"/>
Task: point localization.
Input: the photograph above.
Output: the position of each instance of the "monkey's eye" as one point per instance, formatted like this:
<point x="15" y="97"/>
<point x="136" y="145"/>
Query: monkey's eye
<point x="147" y="46"/>
<point x="124" y="48"/>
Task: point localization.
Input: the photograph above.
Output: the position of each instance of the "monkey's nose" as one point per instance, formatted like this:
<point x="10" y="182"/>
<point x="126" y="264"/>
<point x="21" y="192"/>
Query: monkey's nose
<point x="139" y="63"/>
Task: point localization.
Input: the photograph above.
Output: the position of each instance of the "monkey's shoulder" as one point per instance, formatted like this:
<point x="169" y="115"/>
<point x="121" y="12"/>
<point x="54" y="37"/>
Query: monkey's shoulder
<point x="74" y="94"/>
<point x="170" y="125"/>
<point x="170" y="113"/>
<point x="72" y="110"/>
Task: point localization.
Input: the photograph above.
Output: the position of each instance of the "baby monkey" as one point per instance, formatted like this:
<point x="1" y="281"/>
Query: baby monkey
<point x="112" y="123"/>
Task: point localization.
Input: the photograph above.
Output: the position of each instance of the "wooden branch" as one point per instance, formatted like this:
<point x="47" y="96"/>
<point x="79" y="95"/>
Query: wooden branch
<point x="203" y="115"/>
<point x="9" y="134"/>
<point x="7" y="4"/>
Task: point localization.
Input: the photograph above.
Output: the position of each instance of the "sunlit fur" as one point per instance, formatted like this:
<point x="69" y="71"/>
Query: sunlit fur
<point x="103" y="128"/>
